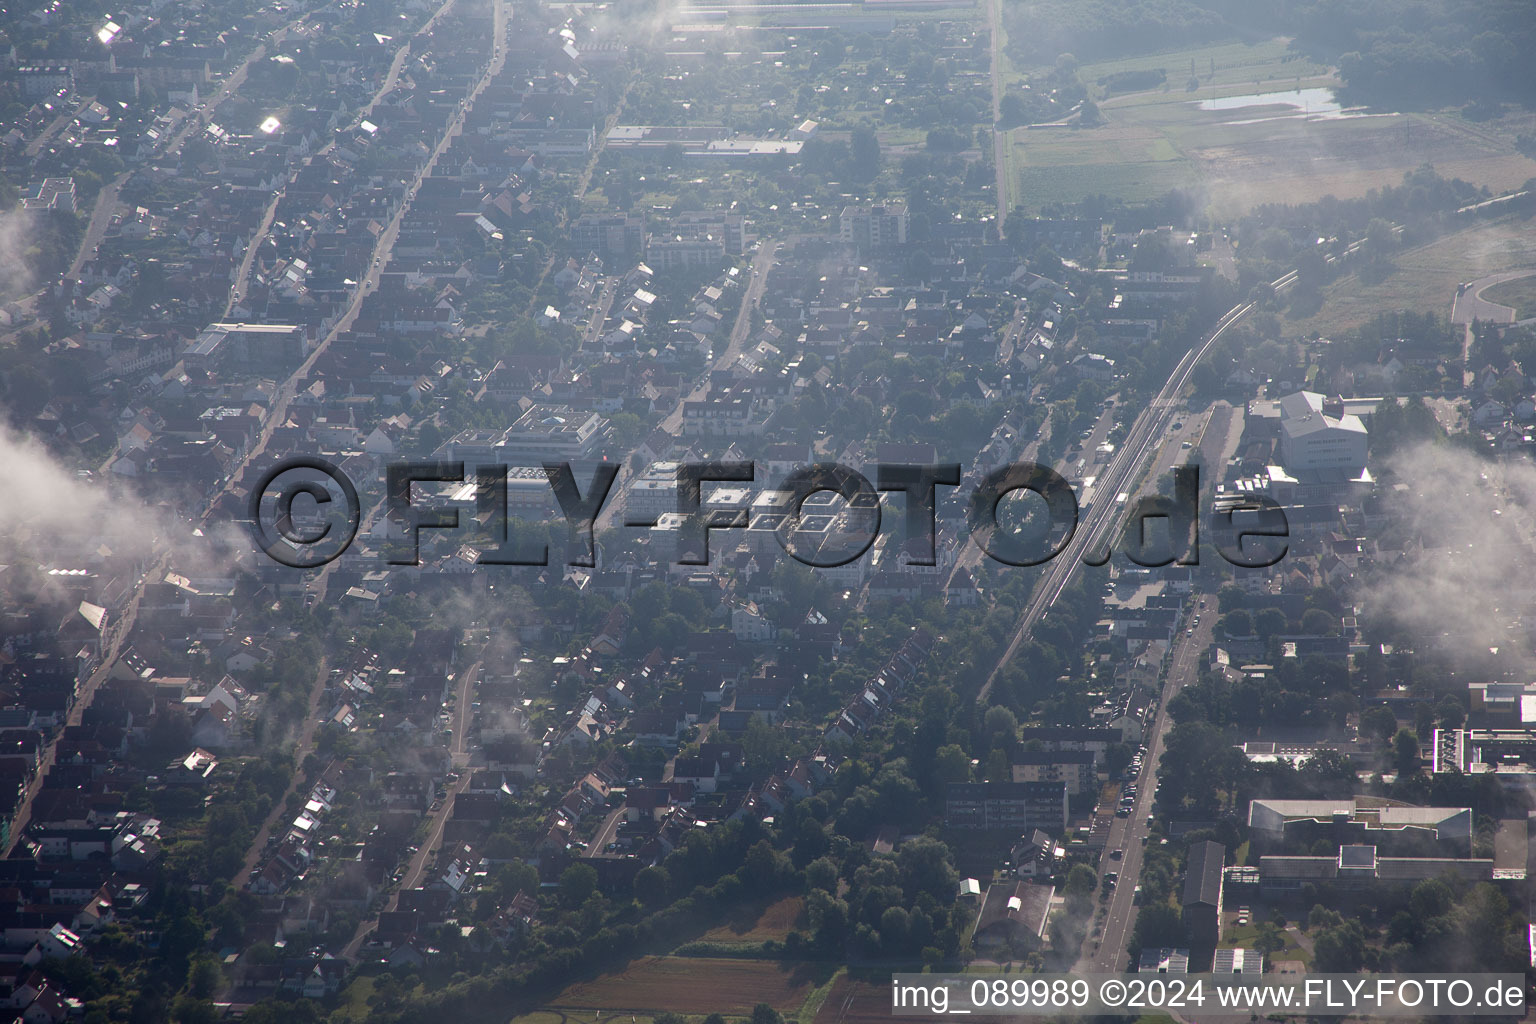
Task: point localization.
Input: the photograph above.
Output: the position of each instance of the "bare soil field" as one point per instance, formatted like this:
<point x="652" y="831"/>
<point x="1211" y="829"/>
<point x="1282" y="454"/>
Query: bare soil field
<point x="855" y="1002"/>
<point x="760" y="923"/>
<point x="691" y="985"/>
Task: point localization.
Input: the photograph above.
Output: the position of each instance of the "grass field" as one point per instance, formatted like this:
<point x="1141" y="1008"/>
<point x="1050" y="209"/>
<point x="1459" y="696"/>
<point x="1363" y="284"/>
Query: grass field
<point x="1520" y="294"/>
<point x="1243" y="938"/>
<point x="1425" y="279"/>
<point x="760" y="923"/>
<point x="691" y="985"/>
<point x="1157" y="140"/>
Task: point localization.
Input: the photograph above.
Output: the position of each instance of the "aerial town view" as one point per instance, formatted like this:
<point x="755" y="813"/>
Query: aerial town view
<point x="767" y="512"/>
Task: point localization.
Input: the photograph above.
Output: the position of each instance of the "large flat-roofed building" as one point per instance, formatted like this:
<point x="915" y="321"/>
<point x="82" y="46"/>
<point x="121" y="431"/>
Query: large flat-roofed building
<point x="874" y="226"/>
<point x="700" y="141"/>
<point x="39" y="81"/>
<point x="1096" y="739"/>
<point x="1015" y="806"/>
<point x="56" y="194"/>
<point x="1507" y="754"/>
<point x="1358" y="868"/>
<point x="1074" y="767"/>
<point x="654" y="493"/>
<point x="1201" y="908"/>
<point x="1238" y="961"/>
<point x="551" y="433"/>
<point x="1359" y="822"/>
<point x="666" y="250"/>
<point x="1163" y="961"/>
<point x="1507" y="702"/>
<point x="1317" y="433"/>
<point x="608" y="234"/>
<point x="241" y="344"/>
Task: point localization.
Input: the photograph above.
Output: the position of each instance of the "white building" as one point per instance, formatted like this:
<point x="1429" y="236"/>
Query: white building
<point x="552" y="433"/>
<point x="1316" y="433"/>
<point x="875" y="226"/>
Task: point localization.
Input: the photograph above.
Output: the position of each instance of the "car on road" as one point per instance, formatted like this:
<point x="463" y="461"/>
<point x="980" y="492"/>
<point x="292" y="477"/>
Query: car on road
<point x="1116" y="854"/>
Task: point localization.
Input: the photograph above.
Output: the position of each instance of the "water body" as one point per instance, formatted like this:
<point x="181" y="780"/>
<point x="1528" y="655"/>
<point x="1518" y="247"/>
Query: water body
<point x="1312" y="104"/>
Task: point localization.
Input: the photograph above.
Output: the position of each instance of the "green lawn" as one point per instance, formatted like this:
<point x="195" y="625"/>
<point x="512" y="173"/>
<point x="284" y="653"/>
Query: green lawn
<point x="1520" y="293"/>
<point x="1425" y="278"/>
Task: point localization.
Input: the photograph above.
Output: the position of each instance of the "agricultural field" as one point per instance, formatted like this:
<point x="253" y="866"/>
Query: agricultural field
<point x="1519" y="294"/>
<point x="855" y="1002"/>
<point x="758" y="923"/>
<point x="1242" y="156"/>
<point x="691" y="985"/>
<point x="1425" y="278"/>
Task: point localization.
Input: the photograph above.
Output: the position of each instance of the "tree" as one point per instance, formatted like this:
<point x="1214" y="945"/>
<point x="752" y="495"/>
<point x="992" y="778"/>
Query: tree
<point x="926" y="868"/>
<point x="1012" y="110"/>
<point x="762" y="866"/>
<point x="577" y="882"/>
<point x="204" y="977"/>
<point x="1158" y="926"/>
<point x="1405" y="750"/>
<point x="952" y="764"/>
<point x="1339" y="949"/>
<point x="1237" y="622"/>
<point x="1430" y="898"/>
<point x="1380" y="239"/>
<point x="1450" y="713"/>
<point x="762" y="1013"/>
<point x="652" y="886"/>
<point x="999" y="721"/>
<point x="1270" y="939"/>
<point x="1269" y="622"/>
<point x="1378" y="720"/>
<point x="187" y="1010"/>
<point x="864" y="154"/>
<point x="1045" y="262"/>
<point x="1081" y="880"/>
<point x="763" y="747"/>
<point x="1317" y="622"/>
<point x="822" y="874"/>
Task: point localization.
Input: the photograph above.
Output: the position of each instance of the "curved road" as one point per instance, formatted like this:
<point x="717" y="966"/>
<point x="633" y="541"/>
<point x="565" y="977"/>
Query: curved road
<point x="1470" y="305"/>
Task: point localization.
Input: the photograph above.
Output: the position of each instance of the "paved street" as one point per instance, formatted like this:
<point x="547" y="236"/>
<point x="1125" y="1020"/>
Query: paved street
<point x="1108" y="954"/>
